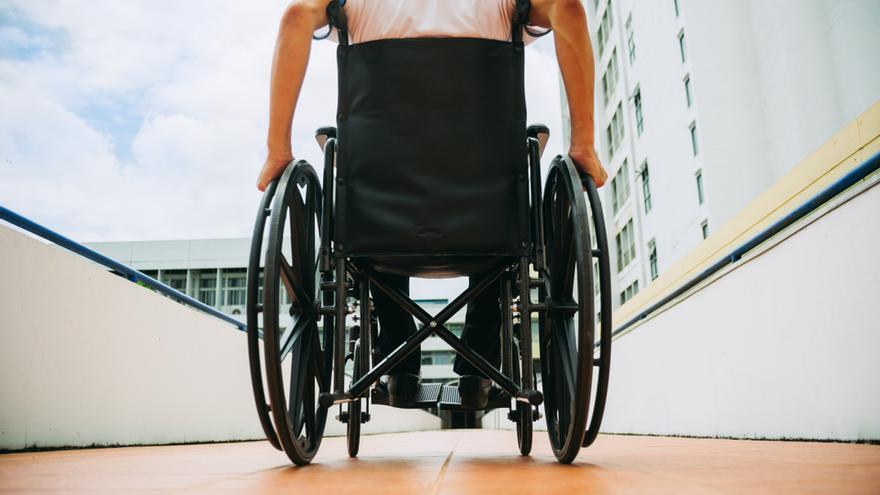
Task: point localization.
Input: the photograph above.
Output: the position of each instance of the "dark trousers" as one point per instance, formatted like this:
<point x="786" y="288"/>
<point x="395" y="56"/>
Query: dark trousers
<point x="481" y="329"/>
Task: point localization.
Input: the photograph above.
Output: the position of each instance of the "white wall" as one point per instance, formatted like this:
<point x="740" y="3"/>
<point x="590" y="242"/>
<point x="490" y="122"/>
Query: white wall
<point x="787" y="345"/>
<point x="90" y="358"/>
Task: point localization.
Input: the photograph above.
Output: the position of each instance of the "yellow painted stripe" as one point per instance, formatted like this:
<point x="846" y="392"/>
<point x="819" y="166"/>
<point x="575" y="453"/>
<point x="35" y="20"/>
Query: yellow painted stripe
<point x="848" y="149"/>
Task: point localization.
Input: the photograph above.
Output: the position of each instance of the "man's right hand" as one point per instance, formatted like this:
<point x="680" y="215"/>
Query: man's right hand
<point x="586" y="160"/>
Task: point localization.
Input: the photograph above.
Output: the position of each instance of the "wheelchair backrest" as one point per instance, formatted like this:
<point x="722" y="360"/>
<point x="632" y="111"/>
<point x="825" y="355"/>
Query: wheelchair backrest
<point x="432" y="149"/>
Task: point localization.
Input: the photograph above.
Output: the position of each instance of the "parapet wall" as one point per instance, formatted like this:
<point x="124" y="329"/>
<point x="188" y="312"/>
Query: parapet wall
<point x="88" y="358"/>
<point x="786" y="345"/>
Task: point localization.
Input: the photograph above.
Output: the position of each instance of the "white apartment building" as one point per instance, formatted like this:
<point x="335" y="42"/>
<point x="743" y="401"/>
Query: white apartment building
<point x="701" y="105"/>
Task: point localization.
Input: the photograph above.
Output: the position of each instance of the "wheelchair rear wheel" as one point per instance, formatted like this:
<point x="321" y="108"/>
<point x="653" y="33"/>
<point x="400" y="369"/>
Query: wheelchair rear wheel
<point x="296" y="349"/>
<point x="253" y="310"/>
<point x="567" y="331"/>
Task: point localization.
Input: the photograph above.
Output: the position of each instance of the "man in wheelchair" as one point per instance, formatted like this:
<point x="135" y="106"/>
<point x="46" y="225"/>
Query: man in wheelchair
<point x="432" y="171"/>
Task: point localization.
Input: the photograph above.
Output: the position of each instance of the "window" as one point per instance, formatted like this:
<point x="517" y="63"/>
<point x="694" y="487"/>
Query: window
<point x="609" y="79"/>
<point x="675" y="4"/>
<point x="626" y="246"/>
<point x="620" y="187"/>
<point x="700" y="193"/>
<point x="438" y="357"/>
<point x="234" y="284"/>
<point x="614" y="131"/>
<point x="604" y="33"/>
<point x="704" y="228"/>
<point x="687" y="90"/>
<point x="694" y="144"/>
<point x="652" y="259"/>
<point x="629" y="292"/>
<point x="631" y="40"/>
<point x="640" y="119"/>
<point x="176" y="279"/>
<point x="681" y="46"/>
<point x="646" y="186"/>
<point x="207" y="291"/>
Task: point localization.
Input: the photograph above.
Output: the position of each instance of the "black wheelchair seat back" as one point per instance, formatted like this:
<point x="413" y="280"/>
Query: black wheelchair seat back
<point x="432" y="166"/>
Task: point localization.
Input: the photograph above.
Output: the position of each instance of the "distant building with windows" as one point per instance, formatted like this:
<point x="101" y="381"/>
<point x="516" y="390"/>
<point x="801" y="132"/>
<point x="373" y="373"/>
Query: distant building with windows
<point x="701" y="106"/>
<point x="214" y="271"/>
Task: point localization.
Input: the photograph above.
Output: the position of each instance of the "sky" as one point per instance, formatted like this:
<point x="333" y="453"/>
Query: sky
<point x="146" y="120"/>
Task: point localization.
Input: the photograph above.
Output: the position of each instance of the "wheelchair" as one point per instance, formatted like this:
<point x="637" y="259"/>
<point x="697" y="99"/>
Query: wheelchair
<point x="443" y="185"/>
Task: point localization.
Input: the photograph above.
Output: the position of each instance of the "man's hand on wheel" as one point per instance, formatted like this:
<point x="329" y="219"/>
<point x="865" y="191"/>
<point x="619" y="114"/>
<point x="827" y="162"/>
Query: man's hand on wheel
<point x="273" y="168"/>
<point x="586" y="160"/>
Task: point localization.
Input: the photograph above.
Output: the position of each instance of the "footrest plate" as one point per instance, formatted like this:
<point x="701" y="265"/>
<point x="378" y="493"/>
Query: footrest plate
<point x="429" y="394"/>
<point x="450" y="400"/>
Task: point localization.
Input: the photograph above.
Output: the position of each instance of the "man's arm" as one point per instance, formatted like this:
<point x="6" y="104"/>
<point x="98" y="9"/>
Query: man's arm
<point x="574" y="52"/>
<point x="300" y="20"/>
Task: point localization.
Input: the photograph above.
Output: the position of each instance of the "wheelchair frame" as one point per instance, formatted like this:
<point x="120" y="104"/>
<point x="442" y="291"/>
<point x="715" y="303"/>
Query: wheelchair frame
<point x="294" y="418"/>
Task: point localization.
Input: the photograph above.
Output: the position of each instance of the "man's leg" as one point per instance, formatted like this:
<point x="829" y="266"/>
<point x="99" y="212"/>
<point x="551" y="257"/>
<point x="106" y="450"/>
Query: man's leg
<point x="395" y="324"/>
<point x="482" y="328"/>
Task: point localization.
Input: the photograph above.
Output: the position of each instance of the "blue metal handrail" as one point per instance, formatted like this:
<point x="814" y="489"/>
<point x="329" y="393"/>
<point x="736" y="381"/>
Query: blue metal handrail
<point x="868" y="167"/>
<point x="128" y="272"/>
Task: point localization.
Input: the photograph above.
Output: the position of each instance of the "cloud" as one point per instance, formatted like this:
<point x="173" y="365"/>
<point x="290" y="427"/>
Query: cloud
<point x="147" y="119"/>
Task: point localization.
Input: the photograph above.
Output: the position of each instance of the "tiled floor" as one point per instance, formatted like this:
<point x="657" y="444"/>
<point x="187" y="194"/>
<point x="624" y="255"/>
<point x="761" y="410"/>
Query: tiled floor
<point x="456" y="462"/>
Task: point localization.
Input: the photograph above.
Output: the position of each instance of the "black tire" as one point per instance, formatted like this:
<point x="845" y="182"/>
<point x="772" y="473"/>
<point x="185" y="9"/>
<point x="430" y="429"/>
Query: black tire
<point x="253" y="309"/>
<point x="602" y="363"/>
<point x="567" y="332"/>
<point x="523" y="414"/>
<point x="353" y="428"/>
<point x="524" y="428"/>
<point x="299" y="420"/>
<point x="362" y="353"/>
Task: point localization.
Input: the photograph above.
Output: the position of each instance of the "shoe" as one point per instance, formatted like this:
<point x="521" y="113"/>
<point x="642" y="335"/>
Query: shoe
<point x="402" y="389"/>
<point x="474" y="391"/>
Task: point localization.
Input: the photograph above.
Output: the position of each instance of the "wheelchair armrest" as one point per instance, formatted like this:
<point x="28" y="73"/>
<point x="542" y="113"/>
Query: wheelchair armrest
<point x="323" y="134"/>
<point x="540" y="132"/>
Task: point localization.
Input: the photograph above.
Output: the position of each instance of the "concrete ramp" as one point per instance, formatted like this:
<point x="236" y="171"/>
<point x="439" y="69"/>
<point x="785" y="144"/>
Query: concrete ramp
<point x="457" y="462"/>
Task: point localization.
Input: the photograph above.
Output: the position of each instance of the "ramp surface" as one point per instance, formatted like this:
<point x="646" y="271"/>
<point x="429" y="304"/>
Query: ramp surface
<point x="456" y="462"/>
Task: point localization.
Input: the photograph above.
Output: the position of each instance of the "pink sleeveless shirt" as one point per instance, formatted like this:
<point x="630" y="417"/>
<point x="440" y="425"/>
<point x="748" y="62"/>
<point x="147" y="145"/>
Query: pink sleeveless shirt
<point x="370" y="20"/>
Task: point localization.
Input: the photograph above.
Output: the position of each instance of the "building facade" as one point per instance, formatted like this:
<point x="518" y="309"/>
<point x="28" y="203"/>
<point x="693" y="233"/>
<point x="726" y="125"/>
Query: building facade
<point x="702" y="105"/>
<point x="214" y="271"/>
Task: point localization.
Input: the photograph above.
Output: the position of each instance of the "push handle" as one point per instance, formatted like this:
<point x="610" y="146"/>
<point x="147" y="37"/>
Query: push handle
<point x="323" y="134"/>
<point x="542" y="133"/>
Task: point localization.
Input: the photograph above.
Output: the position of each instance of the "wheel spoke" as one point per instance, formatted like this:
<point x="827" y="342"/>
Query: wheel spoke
<point x="567" y="355"/>
<point x="298" y="381"/>
<point x="560" y="394"/>
<point x="292" y="336"/>
<point x="309" y="404"/>
<point x="299" y="297"/>
<point x="317" y="359"/>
